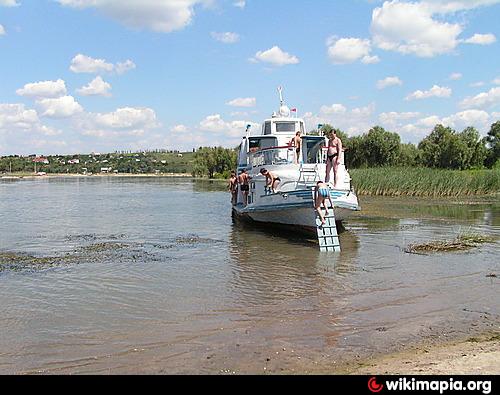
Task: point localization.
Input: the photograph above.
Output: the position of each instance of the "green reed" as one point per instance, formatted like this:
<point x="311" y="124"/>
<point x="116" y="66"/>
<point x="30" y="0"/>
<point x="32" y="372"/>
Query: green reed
<point x="425" y="182"/>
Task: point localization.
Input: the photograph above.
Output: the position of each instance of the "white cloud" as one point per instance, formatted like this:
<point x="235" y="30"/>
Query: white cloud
<point x="240" y="4"/>
<point x="8" y="3"/>
<point x="435" y="91"/>
<point x="455" y="76"/>
<point x="409" y="28"/>
<point x="467" y="118"/>
<point x="276" y="56"/>
<point x="370" y="59"/>
<point x="243" y="102"/>
<point x="333" y="109"/>
<point x="481" y="39"/>
<point x="17" y="117"/>
<point x="450" y="6"/>
<point x="179" y="129"/>
<point x="123" y="67"/>
<point x="44" y="89"/>
<point x="389" y="81"/>
<point x="62" y="107"/>
<point x="496" y="81"/>
<point x="2" y="30"/>
<point x="484" y="99"/>
<point x="86" y="64"/>
<point x="391" y="119"/>
<point x="477" y="84"/>
<point x="97" y="87"/>
<point x="226" y="37"/>
<point x="349" y="50"/>
<point x="127" y="118"/>
<point x="158" y="15"/>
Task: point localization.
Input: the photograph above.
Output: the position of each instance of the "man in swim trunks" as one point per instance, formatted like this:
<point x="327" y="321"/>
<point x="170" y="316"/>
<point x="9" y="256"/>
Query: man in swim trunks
<point x="321" y="194"/>
<point x="297" y="143"/>
<point x="244" y="181"/>
<point x="333" y="156"/>
<point x="233" y="188"/>
<point x="272" y="181"/>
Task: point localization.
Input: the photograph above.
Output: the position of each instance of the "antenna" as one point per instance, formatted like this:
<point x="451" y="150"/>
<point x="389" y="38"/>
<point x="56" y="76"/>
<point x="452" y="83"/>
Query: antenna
<point x="280" y="90"/>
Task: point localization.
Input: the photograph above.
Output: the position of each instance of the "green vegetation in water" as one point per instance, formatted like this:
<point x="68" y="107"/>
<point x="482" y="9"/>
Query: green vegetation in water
<point x="425" y="182"/>
<point x="462" y="242"/>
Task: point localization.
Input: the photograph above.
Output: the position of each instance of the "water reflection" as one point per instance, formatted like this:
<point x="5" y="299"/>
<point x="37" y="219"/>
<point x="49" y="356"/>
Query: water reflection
<point x="270" y="266"/>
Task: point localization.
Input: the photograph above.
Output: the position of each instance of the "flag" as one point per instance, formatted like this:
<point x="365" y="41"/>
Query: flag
<point x="293" y="110"/>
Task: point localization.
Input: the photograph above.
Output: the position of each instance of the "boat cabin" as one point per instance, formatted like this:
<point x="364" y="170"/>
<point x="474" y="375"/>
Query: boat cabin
<point x="273" y="146"/>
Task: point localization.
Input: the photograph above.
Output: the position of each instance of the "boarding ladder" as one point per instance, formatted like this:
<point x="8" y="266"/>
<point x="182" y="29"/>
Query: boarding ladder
<point x="328" y="236"/>
<point x="308" y="176"/>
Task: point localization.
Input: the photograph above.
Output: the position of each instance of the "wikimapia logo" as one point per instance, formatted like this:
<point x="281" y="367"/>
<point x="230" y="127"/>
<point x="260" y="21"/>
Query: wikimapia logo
<point x="441" y="386"/>
<point x="373" y="386"/>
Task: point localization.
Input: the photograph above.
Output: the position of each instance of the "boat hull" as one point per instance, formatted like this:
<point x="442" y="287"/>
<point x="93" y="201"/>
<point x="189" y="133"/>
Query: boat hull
<point x="294" y="211"/>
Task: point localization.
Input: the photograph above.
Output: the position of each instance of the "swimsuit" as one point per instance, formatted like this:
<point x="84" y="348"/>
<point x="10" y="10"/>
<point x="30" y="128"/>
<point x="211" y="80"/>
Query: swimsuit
<point x="325" y="192"/>
<point x="245" y="188"/>
<point x="332" y="157"/>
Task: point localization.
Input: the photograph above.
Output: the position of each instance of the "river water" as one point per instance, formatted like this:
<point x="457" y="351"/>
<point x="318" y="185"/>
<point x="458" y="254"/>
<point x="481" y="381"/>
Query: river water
<point x="151" y="275"/>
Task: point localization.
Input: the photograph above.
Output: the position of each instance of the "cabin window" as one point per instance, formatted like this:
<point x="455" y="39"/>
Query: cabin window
<point x="314" y="148"/>
<point x="285" y="127"/>
<point x="267" y="128"/>
<point x="258" y="143"/>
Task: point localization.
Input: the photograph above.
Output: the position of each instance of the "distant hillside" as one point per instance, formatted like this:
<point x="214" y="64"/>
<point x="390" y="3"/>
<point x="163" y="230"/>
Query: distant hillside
<point x="122" y="163"/>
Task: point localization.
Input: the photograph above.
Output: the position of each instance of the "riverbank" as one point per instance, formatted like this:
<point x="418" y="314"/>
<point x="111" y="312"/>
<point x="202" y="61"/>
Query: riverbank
<point x="475" y="356"/>
<point x="388" y="182"/>
<point x="425" y="182"/>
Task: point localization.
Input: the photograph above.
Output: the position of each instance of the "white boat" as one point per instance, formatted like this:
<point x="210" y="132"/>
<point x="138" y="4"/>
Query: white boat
<point x="291" y="205"/>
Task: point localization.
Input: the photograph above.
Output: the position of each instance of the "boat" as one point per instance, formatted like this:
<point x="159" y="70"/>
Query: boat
<point x="291" y="204"/>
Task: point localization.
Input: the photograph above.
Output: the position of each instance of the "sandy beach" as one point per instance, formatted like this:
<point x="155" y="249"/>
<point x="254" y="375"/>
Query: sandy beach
<point x="477" y="356"/>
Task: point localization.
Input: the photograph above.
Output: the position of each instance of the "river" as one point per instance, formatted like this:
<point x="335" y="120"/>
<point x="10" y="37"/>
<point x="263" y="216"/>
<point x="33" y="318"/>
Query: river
<point x="151" y="275"/>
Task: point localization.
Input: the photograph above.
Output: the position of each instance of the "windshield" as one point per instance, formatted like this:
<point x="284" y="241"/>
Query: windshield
<point x="285" y="127"/>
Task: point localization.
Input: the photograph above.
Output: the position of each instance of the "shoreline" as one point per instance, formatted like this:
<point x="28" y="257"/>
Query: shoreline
<point x="474" y="356"/>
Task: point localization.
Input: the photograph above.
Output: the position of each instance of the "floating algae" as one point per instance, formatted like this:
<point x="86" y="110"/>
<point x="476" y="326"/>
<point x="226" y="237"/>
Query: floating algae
<point x="462" y="242"/>
<point x="94" y="253"/>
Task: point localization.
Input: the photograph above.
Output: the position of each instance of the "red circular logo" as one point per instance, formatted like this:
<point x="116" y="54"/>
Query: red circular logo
<point x="373" y="386"/>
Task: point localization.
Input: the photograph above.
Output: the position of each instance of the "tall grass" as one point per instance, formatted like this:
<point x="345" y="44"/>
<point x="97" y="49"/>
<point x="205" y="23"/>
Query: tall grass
<point x="425" y="182"/>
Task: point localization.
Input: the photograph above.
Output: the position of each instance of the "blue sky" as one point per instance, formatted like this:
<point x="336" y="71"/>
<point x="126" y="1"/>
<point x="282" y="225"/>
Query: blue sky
<point x="106" y="75"/>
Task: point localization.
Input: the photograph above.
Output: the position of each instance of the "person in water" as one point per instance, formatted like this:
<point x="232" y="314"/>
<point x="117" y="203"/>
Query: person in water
<point x="244" y="181"/>
<point x="233" y="188"/>
<point x="297" y="143"/>
<point x="272" y="181"/>
<point x="322" y="193"/>
<point x="333" y="156"/>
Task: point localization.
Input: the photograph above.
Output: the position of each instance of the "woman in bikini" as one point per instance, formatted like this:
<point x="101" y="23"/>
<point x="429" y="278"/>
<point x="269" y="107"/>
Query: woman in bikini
<point x="333" y="156"/>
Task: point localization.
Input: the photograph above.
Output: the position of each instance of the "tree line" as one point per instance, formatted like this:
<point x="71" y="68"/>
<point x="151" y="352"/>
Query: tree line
<point x="443" y="148"/>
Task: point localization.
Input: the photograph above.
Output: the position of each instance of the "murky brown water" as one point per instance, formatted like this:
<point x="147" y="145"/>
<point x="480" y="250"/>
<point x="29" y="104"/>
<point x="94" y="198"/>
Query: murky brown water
<point x="152" y="276"/>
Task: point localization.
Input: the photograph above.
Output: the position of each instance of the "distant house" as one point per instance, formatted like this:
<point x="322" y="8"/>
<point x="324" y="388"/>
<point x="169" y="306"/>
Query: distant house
<point x="106" y="169"/>
<point x="74" y="162"/>
<point x="41" y="159"/>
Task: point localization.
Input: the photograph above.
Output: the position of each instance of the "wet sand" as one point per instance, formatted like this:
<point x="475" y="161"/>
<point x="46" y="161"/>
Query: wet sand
<point x="477" y="356"/>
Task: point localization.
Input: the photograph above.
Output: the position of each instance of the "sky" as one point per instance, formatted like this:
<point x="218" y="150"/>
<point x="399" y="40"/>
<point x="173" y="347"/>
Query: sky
<point x="81" y="76"/>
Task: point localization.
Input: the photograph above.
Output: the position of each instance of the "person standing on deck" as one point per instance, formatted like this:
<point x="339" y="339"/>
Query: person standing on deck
<point x="333" y="156"/>
<point x="244" y="181"/>
<point x="297" y="143"/>
<point x="233" y="188"/>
